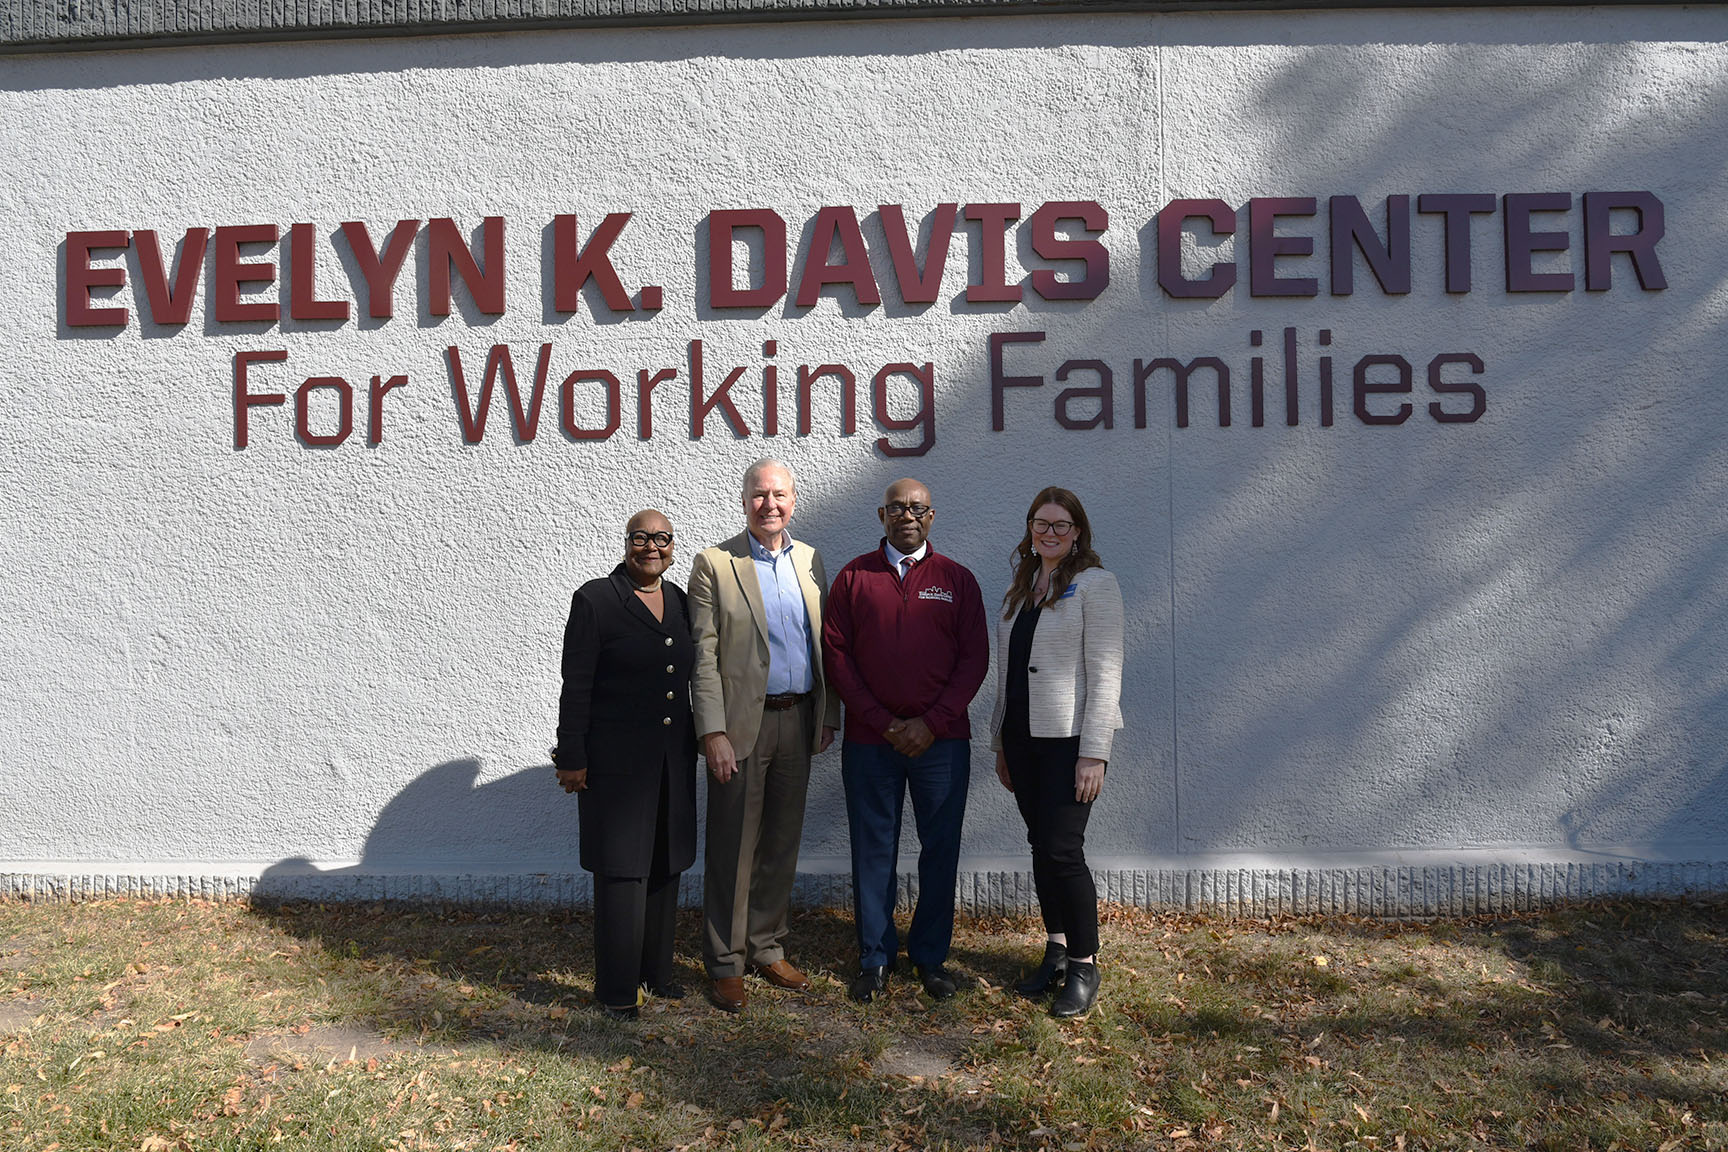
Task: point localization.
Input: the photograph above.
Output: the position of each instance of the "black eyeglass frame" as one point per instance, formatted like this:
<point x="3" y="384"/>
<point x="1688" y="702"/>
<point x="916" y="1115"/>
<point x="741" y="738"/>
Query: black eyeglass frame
<point x="641" y="539"/>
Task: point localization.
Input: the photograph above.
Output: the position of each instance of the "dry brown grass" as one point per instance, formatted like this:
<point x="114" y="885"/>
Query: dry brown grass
<point x="158" y="1026"/>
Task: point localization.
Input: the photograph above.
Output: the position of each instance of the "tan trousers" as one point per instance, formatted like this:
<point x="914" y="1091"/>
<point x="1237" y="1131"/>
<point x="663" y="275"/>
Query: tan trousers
<point x="755" y="821"/>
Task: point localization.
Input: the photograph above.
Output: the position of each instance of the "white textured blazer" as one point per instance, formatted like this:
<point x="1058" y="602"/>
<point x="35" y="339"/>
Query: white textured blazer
<point x="1075" y="672"/>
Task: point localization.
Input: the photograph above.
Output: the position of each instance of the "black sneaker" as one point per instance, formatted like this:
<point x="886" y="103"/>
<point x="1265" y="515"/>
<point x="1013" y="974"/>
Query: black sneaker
<point x="938" y="983"/>
<point x="870" y="983"/>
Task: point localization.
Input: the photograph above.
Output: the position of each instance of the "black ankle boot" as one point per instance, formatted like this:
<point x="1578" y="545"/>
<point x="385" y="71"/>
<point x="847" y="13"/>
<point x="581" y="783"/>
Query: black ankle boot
<point x="1047" y="977"/>
<point x="1079" y="991"/>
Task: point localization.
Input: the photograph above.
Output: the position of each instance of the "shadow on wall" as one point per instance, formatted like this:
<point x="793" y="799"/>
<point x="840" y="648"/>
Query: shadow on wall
<point x="447" y="837"/>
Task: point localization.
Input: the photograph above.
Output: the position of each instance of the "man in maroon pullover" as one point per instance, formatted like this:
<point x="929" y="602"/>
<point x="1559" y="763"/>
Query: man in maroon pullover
<point x="906" y="644"/>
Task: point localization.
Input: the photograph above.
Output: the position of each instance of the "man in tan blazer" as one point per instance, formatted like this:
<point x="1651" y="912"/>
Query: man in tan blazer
<point x="762" y="708"/>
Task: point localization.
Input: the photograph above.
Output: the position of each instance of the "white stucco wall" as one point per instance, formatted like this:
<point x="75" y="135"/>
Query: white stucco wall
<point x="1440" y="642"/>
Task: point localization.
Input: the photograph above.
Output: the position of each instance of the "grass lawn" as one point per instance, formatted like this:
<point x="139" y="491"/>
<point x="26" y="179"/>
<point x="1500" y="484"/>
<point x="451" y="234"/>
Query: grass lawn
<point x="159" y="1026"/>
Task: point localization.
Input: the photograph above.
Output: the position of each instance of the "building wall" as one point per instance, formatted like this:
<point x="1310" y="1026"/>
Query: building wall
<point x="1435" y="645"/>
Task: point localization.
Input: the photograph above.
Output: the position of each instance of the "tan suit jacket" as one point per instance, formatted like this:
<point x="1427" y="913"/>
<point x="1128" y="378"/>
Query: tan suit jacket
<point x="730" y="626"/>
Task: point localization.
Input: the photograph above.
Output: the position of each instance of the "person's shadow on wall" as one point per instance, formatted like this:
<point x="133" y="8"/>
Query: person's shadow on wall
<point x="447" y="837"/>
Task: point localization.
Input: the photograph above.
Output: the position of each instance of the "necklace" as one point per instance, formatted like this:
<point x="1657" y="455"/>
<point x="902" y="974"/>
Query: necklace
<point x="654" y="587"/>
<point x="1041" y="585"/>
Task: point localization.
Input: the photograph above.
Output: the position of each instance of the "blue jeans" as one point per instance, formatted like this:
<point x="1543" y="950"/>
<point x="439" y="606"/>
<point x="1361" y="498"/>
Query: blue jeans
<point x="877" y="779"/>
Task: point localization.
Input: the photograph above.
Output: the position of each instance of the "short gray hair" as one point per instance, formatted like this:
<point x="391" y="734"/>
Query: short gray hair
<point x="763" y="465"/>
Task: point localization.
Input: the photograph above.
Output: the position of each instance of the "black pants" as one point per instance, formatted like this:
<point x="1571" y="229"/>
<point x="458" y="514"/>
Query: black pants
<point x="634" y="919"/>
<point x="1043" y="775"/>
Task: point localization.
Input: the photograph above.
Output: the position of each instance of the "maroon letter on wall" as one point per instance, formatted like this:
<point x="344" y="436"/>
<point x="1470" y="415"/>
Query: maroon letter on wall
<point x="721" y="225"/>
<point x="918" y="287"/>
<point x="1216" y="282"/>
<point x="573" y="269"/>
<point x="1265" y="246"/>
<point x="80" y="278"/>
<point x="854" y="266"/>
<point x="303" y="302"/>
<point x="1523" y="244"/>
<point x="1389" y="261"/>
<point x="245" y="399"/>
<point x="171" y="305"/>
<point x="924" y="376"/>
<point x="229" y="274"/>
<point x="1047" y="244"/>
<point x="499" y="365"/>
<point x="446" y="248"/>
<point x="1000" y="380"/>
<point x="992" y="286"/>
<point x="1457" y="208"/>
<point x="1365" y="388"/>
<point x="1600" y="243"/>
<point x="344" y="412"/>
<point x="380" y="271"/>
<point x="614" y="404"/>
<point x="1104" y="393"/>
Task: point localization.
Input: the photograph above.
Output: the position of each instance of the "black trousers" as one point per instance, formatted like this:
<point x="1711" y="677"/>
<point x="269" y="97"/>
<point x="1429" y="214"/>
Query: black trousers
<point x="1043" y="775"/>
<point x="634" y="919"/>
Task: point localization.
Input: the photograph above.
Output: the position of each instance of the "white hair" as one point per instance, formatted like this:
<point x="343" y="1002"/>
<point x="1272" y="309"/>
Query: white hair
<point x="763" y="465"/>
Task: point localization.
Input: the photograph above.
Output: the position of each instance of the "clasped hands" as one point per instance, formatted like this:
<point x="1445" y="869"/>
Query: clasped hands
<point x="911" y="738"/>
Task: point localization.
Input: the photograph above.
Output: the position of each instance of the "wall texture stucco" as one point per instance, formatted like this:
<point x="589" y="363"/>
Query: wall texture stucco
<point x="1422" y="651"/>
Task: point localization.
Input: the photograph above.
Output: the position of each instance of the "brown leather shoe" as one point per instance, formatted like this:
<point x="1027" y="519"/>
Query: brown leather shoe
<point x="727" y="993"/>
<point x="781" y="974"/>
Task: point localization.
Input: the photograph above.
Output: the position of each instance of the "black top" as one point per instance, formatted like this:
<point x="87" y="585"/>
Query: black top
<point x="624" y="715"/>
<point x="1016" y="719"/>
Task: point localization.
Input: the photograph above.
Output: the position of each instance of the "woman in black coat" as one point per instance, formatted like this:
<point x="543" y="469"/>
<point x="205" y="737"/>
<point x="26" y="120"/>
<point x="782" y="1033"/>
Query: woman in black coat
<point x="627" y="747"/>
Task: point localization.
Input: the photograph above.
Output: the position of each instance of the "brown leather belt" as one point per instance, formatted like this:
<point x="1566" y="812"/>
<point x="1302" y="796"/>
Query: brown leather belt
<point x="784" y="701"/>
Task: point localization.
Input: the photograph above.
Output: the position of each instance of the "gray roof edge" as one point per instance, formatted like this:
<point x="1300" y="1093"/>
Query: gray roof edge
<point x="28" y="26"/>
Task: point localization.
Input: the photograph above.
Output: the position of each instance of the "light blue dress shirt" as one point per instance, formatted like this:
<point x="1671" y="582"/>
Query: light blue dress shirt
<point x="788" y="623"/>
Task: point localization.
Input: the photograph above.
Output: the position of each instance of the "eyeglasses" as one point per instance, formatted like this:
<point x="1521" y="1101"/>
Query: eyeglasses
<point x="1058" y="528"/>
<point x="643" y="539"/>
<point x="896" y="510"/>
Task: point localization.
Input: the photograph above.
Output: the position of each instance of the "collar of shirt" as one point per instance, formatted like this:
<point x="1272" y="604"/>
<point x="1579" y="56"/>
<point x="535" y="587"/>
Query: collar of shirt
<point x="760" y="551"/>
<point x="895" y="556"/>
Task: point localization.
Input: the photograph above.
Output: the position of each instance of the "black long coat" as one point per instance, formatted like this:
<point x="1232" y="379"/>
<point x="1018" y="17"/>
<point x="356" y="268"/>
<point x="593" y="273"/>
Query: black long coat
<point x="624" y="715"/>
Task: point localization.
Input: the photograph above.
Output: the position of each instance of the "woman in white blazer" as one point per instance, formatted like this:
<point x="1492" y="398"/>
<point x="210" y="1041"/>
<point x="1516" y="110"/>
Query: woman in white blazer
<point x="1058" y="705"/>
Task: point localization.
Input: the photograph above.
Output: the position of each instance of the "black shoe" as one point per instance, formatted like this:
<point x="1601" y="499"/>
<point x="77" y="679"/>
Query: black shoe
<point x="870" y="983"/>
<point x="627" y="1013"/>
<point x="1079" y="991"/>
<point x="938" y="984"/>
<point x="670" y="990"/>
<point x="1048" y="976"/>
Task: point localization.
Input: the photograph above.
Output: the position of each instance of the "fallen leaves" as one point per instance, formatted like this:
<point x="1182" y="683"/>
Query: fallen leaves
<point x="163" y="1144"/>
